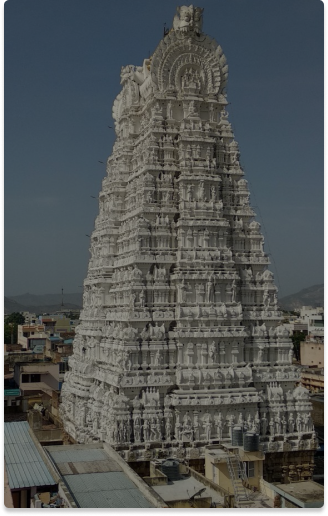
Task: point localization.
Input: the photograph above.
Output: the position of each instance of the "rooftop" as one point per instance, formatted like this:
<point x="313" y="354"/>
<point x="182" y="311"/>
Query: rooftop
<point x="95" y="479"/>
<point x="184" y="489"/>
<point x="24" y="464"/>
<point x="309" y="493"/>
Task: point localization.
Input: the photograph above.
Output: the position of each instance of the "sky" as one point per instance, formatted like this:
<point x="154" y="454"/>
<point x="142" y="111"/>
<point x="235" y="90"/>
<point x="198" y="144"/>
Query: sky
<point x="61" y="76"/>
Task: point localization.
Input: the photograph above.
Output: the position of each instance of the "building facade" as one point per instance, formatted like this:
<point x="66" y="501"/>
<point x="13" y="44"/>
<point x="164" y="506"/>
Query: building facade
<point x="180" y="336"/>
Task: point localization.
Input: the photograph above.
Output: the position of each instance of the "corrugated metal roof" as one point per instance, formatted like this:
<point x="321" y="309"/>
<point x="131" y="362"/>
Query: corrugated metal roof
<point x="25" y="466"/>
<point x="106" y="490"/>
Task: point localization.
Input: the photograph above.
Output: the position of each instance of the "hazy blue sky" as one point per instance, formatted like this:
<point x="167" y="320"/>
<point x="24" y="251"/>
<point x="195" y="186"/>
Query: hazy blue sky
<point x="62" y="74"/>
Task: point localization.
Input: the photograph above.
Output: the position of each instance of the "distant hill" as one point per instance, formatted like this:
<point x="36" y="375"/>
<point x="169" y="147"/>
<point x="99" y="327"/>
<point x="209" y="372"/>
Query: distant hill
<point x="311" y="296"/>
<point x="39" y="304"/>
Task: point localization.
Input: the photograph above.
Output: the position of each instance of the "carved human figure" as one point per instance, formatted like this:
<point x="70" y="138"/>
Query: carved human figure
<point x="290" y="355"/>
<point x="299" y="423"/>
<point x="219" y="427"/>
<point x="264" y="424"/>
<point x="213" y="193"/>
<point x="233" y="292"/>
<point x="207" y="424"/>
<point x="291" y="423"/>
<point x="306" y="422"/>
<point x="277" y="421"/>
<point x="212" y="352"/>
<point x="260" y="355"/>
<point x="168" y="428"/>
<point x="284" y="424"/>
<point x="210" y="290"/>
<point x="169" y="110"/>
<point x="189" y="193"/>
<point x="272" y="426"/>
<point x="132" y="301"/>
<point x="158" y="358"/>
<point x="201" y="191"/>
<point x="266" y="298"/>
<point x="146" y="430"/>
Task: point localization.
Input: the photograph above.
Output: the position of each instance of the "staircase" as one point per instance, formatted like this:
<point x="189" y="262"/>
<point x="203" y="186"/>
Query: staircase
<point x="237" y="475"/>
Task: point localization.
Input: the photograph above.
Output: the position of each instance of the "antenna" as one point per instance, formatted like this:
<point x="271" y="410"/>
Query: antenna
<point x="62" y="303"/>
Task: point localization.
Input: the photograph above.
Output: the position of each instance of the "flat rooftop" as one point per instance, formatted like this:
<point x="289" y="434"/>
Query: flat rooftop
<point x="184" y="489"/>
<point x="94" y="479"/>
<point x="308" y="492"/>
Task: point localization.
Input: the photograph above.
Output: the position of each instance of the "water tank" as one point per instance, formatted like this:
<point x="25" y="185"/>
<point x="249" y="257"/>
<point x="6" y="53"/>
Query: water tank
<point x="237" y="436"/>
<point x="251" y="442"/>
<point x="170" y="468"/>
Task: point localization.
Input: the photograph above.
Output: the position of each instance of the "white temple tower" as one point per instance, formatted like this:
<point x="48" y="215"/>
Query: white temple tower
<point x="180" y="336"/>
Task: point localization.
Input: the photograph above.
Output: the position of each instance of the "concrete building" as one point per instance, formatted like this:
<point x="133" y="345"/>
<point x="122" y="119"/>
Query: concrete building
<point x="37" y="377"/>
<point x="29" y="335"/>
<point x="180" y="338"/>
<point x="312" y="352"/>
<point x="314" y="319"/>
<point x="313" y="379"/>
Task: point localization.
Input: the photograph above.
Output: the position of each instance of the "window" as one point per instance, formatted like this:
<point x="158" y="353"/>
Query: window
<point x="249" y="469"/>
<point x="25" y="378"/>
<point x="35" y="378"/>
<point x="63" y="367"/>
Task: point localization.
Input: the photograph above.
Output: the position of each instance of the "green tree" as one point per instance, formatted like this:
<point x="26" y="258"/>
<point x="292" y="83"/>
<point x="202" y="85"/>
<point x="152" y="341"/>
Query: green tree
<point x="10" y="333"/>
<point x="15" y="317"/>
<point x="297" y="338"/>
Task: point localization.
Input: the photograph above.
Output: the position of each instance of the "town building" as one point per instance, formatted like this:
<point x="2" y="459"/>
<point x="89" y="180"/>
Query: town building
<point x="312" y="352"/>
<point x="310" y="321"/>
<point x="180" y="339"/>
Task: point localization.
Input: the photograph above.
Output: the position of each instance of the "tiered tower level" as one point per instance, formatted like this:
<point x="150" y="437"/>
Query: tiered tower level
<point x="180" y="336"/>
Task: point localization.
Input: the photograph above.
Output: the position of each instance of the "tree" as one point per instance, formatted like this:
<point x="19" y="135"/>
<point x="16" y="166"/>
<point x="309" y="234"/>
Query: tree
<point x="15" y="317"/>
<point x="11" y="327"/>
<point x="297" y="338"/>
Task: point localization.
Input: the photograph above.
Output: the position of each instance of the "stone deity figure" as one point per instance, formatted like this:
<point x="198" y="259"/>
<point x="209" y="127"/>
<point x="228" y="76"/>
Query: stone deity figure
<point x="271" y="425"/>
<point x="211" y="352"/>
<point x="209" y="290"/>
<point x="189" y="193"/>
<point x="233" y="292"/>
<point x="207" y="426"/>
<point x="219" y="427"/>
<point x="291" y="423"/>
<point x="169" y="110"/>
<point x="266" y="298"/>
<point x="299" y="423"/>
<point x="137" y="429"/>
<point x="146" y="430"/>
<point x="307" y="422"/>
<point x="132" y="300"/>
<point x="158" y="358"/>
<point x="168" y="429"/>
<point x="201" y="191"/>
<point x="142" y="298"/>
<point x="291" y="355"/>
<point x="284" y="424"/>
<point x="213" y="193"/>
<point x="278" y="424"/>
<point x="264" y="425"/>
<point x="192" y="108"/>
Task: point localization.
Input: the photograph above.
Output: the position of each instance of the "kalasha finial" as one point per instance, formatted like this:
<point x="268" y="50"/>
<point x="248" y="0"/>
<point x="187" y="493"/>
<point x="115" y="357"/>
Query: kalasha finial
<point x="188" y="19"/>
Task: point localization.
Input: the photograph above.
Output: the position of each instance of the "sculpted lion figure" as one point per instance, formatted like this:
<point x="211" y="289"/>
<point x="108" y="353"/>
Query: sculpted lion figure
<point x="188" y="18"/>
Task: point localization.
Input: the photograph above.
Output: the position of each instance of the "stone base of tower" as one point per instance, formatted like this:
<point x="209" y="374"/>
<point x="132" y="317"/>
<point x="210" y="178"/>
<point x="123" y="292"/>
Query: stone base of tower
<point x="289" y="466"/>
